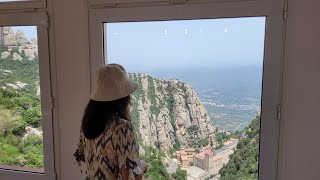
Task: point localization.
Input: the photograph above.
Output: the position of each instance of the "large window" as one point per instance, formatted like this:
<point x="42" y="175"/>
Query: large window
<point x="200" y="106"/>
<point x="25" y="99"/>
<point x="199" y="93"/>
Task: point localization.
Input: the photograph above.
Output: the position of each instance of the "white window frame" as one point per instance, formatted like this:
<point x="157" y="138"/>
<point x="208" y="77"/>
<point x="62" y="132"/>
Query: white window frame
<point x="273" y="52"/>
<point x="41" y="21"/>
<point x="23" y="4"/>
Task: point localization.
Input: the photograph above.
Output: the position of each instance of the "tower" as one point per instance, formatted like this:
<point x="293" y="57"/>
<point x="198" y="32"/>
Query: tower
<point x="211" y="139"/>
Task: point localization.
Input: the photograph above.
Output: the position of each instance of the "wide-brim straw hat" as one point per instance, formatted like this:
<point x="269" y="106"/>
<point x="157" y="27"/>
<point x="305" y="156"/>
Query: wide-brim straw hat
<point x="113" y="83"/>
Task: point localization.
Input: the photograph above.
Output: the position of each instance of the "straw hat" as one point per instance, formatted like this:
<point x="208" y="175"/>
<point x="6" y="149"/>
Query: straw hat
<point x="113" y="83"/>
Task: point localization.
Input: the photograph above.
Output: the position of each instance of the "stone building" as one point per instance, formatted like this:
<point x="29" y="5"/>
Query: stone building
<point x="185" y="157"/>
<point x="204" y="161"/>
<point x="227" y="149"/>
<point x="213" y="161"/>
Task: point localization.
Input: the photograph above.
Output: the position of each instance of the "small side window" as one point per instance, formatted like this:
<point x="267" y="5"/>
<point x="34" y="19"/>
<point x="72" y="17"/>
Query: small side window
<point x="26" y="148"/>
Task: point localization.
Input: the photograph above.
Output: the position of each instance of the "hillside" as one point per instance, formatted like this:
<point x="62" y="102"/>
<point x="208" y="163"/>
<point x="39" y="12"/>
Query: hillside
<point x="20" y="109"/>
<point x="164" y="111"/>
<point x="243" y="163"/>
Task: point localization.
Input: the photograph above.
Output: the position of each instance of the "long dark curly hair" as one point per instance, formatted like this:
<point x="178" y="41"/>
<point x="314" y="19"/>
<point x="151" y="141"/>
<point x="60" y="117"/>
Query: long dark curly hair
<point x="99" y="114"/>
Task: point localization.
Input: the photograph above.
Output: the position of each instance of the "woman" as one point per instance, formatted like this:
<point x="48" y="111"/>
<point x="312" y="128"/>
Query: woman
<point x="108" y="149"/>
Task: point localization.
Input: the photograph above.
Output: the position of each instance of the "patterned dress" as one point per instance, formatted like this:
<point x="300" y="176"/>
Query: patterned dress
<point x="102" y="158"/>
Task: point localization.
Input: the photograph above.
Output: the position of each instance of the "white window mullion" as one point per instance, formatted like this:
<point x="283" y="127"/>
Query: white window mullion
<point x="40" y="20"/>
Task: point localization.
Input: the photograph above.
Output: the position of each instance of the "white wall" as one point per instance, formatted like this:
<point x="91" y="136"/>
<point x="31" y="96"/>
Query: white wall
<point x="70" y="24"/>
<point x="300" y="145"/>
<point x="300" y="129"/>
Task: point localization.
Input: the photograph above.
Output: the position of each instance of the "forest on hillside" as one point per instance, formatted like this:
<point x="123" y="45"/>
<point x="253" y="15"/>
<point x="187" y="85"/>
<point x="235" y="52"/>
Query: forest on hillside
<point x="243" y="164"/>
<point x="19" y="108"/>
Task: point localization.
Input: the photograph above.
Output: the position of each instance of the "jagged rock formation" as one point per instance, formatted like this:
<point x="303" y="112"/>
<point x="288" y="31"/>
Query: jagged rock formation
<point x="163" y="110"/>
<point x="19" y="61"/>
<point x="10" y="39"/>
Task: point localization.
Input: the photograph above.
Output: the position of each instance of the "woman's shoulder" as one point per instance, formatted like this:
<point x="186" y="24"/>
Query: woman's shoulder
<point x="123" y="124"/>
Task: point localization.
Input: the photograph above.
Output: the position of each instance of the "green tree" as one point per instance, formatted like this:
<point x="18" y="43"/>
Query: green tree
<point x="32" y="116"/>
<point x="9" y="122"/>
<point x="179" y="174"/>
<point x="156" y="170"/>
<point x="243" y="164"/>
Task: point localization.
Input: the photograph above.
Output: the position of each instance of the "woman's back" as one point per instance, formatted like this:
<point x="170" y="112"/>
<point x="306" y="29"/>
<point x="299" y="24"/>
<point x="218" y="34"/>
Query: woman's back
<point x="105" y="155"/>
<point x="107" y="146"/>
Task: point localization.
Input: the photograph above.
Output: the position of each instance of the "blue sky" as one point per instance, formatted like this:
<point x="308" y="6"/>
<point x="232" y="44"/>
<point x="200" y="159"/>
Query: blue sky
<point x="29" y="31"/>
<point x="188" y="43"/>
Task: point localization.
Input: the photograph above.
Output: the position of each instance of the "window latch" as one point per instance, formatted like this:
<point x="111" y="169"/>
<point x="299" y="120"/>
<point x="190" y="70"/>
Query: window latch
<point x="279" y="112"/>
<point x="285" y="11"/>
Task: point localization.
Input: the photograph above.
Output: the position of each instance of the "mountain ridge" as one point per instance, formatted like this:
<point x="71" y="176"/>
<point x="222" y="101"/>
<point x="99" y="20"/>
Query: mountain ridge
<point x="163" y="110"/>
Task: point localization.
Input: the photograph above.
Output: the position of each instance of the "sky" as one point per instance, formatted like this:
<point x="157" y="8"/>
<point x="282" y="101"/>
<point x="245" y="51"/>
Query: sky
<point x="29" y="31"/>
<point x="186" y="43"/>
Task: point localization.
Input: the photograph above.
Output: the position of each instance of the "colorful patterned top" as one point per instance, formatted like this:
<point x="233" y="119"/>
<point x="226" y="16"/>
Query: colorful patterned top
<point x="102" y="158"/>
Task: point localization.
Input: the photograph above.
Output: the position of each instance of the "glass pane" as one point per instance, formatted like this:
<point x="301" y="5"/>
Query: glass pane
<point x="21" y="142"/>
<point x="199" y="97"/>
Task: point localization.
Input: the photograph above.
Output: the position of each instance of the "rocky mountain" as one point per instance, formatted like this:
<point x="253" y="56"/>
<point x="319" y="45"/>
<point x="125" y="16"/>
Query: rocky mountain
<point x="18" y="40"/>
<point x="19" y="63"/>
<point x="163" y="111"/>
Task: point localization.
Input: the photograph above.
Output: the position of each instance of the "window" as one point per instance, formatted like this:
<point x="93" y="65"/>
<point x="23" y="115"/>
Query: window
<point x="25" y="99"/>
<point x="145" y="39"/>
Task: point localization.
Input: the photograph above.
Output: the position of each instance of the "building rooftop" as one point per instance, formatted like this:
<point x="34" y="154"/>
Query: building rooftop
<point x="217" y="157"/>
<point x="190" y="150"/>
<point x="209" y="152"/>
<point x="184" y="158"/>
<point x="194" y="172"/>
<point x="183" y="153"/>
<point x="231" y="140"/>
<point x="200" y="156"/>
<point x="226" y="147"/>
